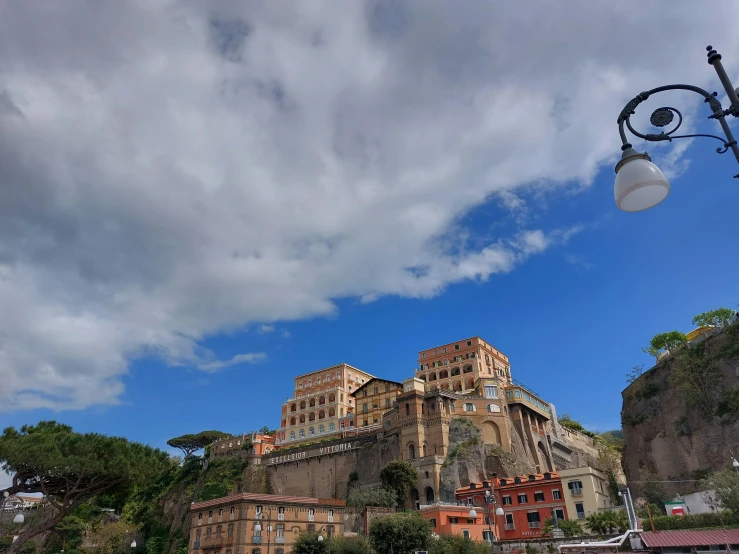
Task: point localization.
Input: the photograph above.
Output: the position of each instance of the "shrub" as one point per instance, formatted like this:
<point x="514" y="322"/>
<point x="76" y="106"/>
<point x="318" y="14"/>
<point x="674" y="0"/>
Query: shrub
<point x="692" y="521"/>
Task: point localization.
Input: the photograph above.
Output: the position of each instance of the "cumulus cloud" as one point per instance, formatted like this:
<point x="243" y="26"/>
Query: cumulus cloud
<point x="174" y="169"/>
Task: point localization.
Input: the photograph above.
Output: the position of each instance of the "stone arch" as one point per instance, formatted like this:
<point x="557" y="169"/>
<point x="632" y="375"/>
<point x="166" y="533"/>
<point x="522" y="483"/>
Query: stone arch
<point x="467" y="369"/>
<point x="302" y="405"/>
<point x="331" y="412"/>
<point x="455" y="371"/>
<point x="321" y="414"/>
<point x="470" y="383"/>
<point x="312" y="416"/>
<point x="443" y="374"/>
<point x="422" y="377"/>
<point x="293" y="407"/>
<point x="332" y="397"/>
<point x="429" y="495"/>
<point x="432" y="376"/>
<point x="302" y="418"/>
<point x="457" y="386"/>
<point x="312" y="402"/>
<point x="491" y="433"/>
<point x="321" y="400"/>
<point x="292" y="421"/>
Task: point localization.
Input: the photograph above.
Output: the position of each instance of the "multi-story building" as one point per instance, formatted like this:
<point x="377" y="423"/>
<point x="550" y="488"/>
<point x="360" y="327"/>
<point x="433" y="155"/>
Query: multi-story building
<point x="248" y="523"/>
<point x="586" y="491"/>
<point x="458" y="365"/>
<point x="373" y="399"/>
<point x="456" y="520"/>
<point x="320" y="402"/>
<point x="244" y="446"/>
<point x="527" y="502"/>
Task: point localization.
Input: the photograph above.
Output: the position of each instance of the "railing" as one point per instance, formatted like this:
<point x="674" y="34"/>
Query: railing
<point x="534" y="524"/>
<point x="580" y="515"/>
<point x="576" y="492"/>
<point x="280" y="540"/>
<point x="280" y="517"/>
<point x="256" y="540"/>
<point x="215" y="541"/>
<point x="509" y="527"/>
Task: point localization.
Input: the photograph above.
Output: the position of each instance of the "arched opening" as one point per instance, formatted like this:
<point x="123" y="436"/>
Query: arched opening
<point x="471" y="384"/>
<point x="331" y="412"/>
<point x="443" y="374"/>
<point x="455" y="371"/>
<point x="458" y="386"/>
<point x="321" y="414"/>
<point x="292" y="435"/>
<point x="425" y="450"/>
<point x="468" y="369"/>
<point x="411" y="451"/>
<point x="312" y="416"/>
<point x="302" y="405"/>
<point x="293" y="407"/>
<point x="429" y="495"/>
<point x="491" y="432"/>
<point x="302" y="418"/>
<point x="312" y="402"/>
<point x="332" y="397"/>
<point x="322" y="400"/>
<point x="415" y="499"/>
<point x="292" y="421"/>
<point x="422" y="377"/>
<point x="432" y="377"/>
<point x="321" y="428"/>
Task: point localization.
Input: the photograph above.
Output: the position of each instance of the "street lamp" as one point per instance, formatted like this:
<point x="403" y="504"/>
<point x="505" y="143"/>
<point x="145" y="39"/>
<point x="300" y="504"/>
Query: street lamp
<point x="640" y="184"/>
<point x="258" y="526"/>
<point x="488" y="499"/>
<point x="320" y="537"/>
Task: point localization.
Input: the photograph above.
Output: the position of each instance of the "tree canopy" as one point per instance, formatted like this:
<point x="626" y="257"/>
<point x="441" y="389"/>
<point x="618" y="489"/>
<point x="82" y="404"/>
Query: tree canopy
<point x="308" y="543"/>
<point x="607" y="522"/>
<point x="361" y="498"/>
<point x="569" y="528"/>
<point x="191" y="443"/>
<point x="725" y="485"/>
<point x="399" y="476"/>
<point x="668" y="341"/>
<point x="400" y="533"/>
<point x="69" y="468"/>
<point x="720" y="317"/>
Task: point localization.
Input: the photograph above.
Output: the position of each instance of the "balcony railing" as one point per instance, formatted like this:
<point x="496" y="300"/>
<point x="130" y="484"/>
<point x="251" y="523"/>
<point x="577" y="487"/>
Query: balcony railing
<point x="580" y="515"/>
<point x="576" y="492"/>
<point x="534" y="524"/>
<point x="509" y="527"/>
<point x="256" y="539"/>
<point x="280" y="517"/>
<point x="280" y="540"/>
<point x="215" y="541"/>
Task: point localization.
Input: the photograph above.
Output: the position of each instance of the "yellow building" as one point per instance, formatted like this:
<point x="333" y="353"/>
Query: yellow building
<point x="373" y="399"/>
<point x="320" y="404"/>
<point x="586" y="491"/>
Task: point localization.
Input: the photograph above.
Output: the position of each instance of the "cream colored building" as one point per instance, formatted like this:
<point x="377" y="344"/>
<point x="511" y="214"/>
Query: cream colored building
<point x="586" y="491"/>
<point x="321" y="399"/>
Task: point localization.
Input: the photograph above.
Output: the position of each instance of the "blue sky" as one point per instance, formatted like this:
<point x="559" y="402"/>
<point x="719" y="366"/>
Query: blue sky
<point x="233" y="194"/>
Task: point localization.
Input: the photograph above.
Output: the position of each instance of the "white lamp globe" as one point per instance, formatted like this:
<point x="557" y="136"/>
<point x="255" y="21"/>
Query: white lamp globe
<point x="735" y="462"/>
<point x="19" y="518"/>
<point x="133" y="543"/>
<point x="473" y="513"/>
<point x="320" y="538"/>
<point x="499" y="511"/>
<point x="640" y="184"/>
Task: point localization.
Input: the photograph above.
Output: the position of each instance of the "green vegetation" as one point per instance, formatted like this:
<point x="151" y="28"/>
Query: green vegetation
<point x="726" y="486"/>
<point x="461" y="448"/>
<point x="607" y="522"/>
<point x="191" y="443"/>
<point x="668" y="342"/>
<point x="727" y="407"/>
<point x="566" y="421"/>
<point x="222" y="477"/>
<point x="569" y="528"/>
<point x="691" y="521"/>
<point x="403" y="533"/>
<point x="398" y="476"/>
<point x="720" y="317"/>
<point x="634" y="374"/>
<point x="361" y="498"/>
<point x="455" y="544"/>
<point x="308" y="543"/>
<point x="71" y="468"/>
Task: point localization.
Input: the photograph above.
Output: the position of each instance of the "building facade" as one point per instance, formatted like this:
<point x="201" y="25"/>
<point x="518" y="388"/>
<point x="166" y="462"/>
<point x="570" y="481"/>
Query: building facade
<point x="457" y="366"/>
<point x="527" y="502"/>
<point x="321" y="401"/>
<point x="246" y="445"/>
<point x="259" y="523"/>
<point x="373" y="399"/>
<point x="586" y="491"/>
<point x="456" y="520"/>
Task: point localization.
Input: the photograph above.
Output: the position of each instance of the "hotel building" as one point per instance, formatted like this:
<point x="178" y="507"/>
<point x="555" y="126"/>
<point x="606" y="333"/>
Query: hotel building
<point x="320" y="404"/>
<point x="373" y="399"/>
<point x="248" y="523"/>
<point x="586" y="491"/>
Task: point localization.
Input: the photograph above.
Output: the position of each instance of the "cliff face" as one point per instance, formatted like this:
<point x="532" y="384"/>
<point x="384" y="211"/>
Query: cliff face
<point x="681" y="418"/>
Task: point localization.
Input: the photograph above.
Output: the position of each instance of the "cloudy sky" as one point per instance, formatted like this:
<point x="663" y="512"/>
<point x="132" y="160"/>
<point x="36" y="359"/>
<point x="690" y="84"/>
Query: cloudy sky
<point x="199" y="200"/>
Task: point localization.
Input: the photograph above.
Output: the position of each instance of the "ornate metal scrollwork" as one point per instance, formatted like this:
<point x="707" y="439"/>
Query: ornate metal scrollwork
<point x="661" y="117"/>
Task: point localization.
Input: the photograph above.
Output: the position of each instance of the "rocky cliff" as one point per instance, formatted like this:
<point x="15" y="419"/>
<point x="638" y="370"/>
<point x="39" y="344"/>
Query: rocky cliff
<point x="681" y="418"/>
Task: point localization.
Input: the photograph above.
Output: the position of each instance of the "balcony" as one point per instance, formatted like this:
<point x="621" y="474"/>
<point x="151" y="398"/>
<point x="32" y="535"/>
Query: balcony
<point x="256" y="539"/>
<point x="509" y="527"/>
<point x="280" y="517"/>
<point x="576" y="492"/>
<point x="215" y="542"/>
<point x="279" y="540"/>
<point x="580" y="515"/>
<point x="534" y="524"/>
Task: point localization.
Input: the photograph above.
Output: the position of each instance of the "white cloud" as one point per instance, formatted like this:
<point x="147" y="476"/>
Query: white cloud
<point x="266" y="328"/>
<point x="217" y="365"/>
<point x="578" y="261"/>
<point x="6" y="480"/>
<point x="171" y="170"/>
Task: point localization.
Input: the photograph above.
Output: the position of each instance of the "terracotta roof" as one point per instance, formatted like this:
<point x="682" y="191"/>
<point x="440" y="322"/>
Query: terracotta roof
<point x="662" y="539"/>
<point x="267" y="498"/>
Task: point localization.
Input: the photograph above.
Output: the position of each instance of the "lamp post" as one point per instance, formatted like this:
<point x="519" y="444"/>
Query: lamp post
<point x="488" y="500"/>
<point x="640" y="184"/>
<point x="18" y="520"/>
<point x="320" y="538"/>
<point x="258" y="526"/>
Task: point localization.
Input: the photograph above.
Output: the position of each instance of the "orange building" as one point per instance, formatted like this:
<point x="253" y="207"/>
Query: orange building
<point x="244" y="445"/>
<point x="527" y="502"/>
<point x="456" y="520"/>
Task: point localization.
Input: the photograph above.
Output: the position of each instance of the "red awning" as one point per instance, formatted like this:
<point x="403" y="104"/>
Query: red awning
<point x="661" y="539"/>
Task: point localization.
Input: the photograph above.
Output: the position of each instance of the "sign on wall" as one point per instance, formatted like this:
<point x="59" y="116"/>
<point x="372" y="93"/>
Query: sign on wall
<point x="313" y="453"/>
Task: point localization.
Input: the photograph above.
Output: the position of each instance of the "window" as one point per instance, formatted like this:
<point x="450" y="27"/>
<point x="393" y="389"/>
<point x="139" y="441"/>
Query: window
<point x="559" y="513"/>
<point x="466" y="533"/>
<point x="331" y="427"/>
<point x="330" y="516"/>
<point x="507" y="500"/>
<point x="523" y="498"/>
<point x="503" y="482"/>
<point x="208" y="533"/>
<point x="280" y="530"/>
<point x="387" y="388"/>
<point x="321" y="428"/>
<point x="453" y="520"/>
<point x="556" y="494"/>
<point x="230" y="530"/>
<point x="580" y="509"/>
<point x="279" y="551"/>
<point x="220" y="514"/>
<point x="233" y="512"/>
<point x="509" y="522"/>
<point x="538" y="496"/>
<point x="443" y="350"/>
<point x="365" y="423"/>
<point x="364" y="408"/>
<point x="411" y="451"/>
<point x="311" y="514"/>
<point x="533" y="519"/>
<point x="200" y="518"/>
<point x="210" y="516"/>
<point x="301" y="433"/>
<point x="280" y="513"/>
<point x="469" y="343"/>
<point x="493" y="408"/>
<point x="491" y="391"/>
<point x="575" y="488"/>
<point x="487" y="536"/>
<point x="469" y="407"/>
<point x="433" y="522"/>
<point x="311" y="528"/>
<point x="532" y="477"/>
<point x="456" y="347"/>
<point x="311" y="431"/>
<point x="292" y="435"/>
<point x="387" y="403"/>
<point x="436" y="351"/>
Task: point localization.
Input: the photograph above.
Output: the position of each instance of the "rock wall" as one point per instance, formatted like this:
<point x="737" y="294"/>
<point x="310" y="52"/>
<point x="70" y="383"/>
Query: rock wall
<point x="681" y="418"/>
